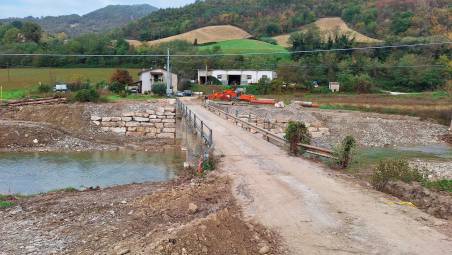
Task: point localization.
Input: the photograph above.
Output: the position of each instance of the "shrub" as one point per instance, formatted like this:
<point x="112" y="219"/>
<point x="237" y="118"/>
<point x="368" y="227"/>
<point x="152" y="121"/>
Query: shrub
<point x="78" y="85"/>
<point x="297" y="132"/>
<point x="159" y="89"/>
<point x="121" y="76"/>
<point x="269" y="40"/>
<point x="117" y="87"/>
<point x="87" y="95"/>
<point x="6" y="204"/>
<point x="264" y="86"/>
<point x="448" y="88"/>
<point x="102" y="85"/>
<point x="394" y="170"/>
<point x="44" y="88"/>
<point x="345" y="151"/>
<point x="363" y="84"/>
<point x="440" y="185"/>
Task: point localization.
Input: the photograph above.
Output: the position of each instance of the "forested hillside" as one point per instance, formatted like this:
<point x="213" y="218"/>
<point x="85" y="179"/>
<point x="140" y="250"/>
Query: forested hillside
<point x="101" y="20"/>
<point x="375" y="18"/>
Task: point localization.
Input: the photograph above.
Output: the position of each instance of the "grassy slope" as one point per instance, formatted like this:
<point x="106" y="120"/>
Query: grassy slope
<point x="25" y="78"/>
<point x="245" y="46"/>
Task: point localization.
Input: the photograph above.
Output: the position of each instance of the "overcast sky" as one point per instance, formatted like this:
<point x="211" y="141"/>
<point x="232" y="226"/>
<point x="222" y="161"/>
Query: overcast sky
<point x="38" y="8"/>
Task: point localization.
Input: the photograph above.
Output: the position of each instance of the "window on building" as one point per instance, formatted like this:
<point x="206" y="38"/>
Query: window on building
<point x="249" y="77"/>
<point x="265" y="76"/>
<point x="220" y="76"/>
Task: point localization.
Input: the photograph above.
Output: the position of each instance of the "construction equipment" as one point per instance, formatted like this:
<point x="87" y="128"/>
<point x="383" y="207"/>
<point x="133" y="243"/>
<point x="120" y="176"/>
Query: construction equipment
<point x="227" y="95"/>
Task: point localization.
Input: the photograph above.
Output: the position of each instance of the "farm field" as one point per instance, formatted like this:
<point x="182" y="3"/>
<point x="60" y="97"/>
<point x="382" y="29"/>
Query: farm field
<point x="245" y="46"/>
<point x="203" y="35"/>
<point x="328" y="27"/>
<point x="26" y="78"/>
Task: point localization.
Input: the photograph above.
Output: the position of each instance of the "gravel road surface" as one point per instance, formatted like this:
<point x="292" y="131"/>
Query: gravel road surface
<point x="315" y="211"/>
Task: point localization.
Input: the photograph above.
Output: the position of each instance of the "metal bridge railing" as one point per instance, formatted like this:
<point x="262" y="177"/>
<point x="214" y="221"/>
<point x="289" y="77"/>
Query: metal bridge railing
<point x="269" y="136"/>
<point x="196" y="123"/>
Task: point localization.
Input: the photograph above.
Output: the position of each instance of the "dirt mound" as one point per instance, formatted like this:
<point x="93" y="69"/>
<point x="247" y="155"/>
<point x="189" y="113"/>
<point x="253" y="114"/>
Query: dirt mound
<point x="328" y="27"/>
<point x="69" y="127"/>
<point x="191" y="215"/>
<point x="437" y="204"/>
<point x="203" y="35"/>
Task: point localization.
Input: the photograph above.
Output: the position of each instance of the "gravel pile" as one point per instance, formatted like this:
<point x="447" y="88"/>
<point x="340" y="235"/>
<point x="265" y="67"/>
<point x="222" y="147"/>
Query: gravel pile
<point x="370" y="129"/>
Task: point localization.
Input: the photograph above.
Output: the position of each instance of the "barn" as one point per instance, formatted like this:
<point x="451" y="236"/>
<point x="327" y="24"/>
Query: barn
<point x="234" y="77"/>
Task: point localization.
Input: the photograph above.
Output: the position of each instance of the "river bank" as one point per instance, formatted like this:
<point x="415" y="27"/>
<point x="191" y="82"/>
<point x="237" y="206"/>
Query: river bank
<point x="185" y="216"/>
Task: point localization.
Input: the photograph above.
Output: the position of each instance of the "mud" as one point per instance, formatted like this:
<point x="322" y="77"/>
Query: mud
<point x="438" y="204"/>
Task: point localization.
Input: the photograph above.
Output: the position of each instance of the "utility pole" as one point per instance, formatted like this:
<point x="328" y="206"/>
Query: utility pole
<point x="168" y="75"/>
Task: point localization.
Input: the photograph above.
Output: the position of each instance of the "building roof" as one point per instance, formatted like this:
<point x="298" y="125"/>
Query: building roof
<point x="153" y="71"/>
<point x="241" y="70"/>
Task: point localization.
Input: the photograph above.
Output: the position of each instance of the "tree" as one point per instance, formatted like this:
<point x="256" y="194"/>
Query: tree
<point x="401" y="22"/>
<point x="11" y="36"/>
<point x="121" y="76"/>
<point x="32" y="32"/>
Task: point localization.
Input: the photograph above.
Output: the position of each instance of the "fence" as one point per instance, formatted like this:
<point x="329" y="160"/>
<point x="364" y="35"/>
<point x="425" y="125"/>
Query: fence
<point x="196" y="123"/>
<point x="269" y="136"/>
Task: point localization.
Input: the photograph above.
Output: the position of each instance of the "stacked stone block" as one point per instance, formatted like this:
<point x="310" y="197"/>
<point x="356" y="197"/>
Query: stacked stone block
<point x="155" y="123"/>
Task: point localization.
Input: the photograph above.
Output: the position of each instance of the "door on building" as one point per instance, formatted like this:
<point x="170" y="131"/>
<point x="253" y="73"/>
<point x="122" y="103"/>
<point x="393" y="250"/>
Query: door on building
<point x="234" y="79"/>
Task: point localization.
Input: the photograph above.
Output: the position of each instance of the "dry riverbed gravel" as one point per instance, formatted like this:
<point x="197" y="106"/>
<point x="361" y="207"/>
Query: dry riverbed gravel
<point x="197" y="216"/>
<point x="370" y="129"/>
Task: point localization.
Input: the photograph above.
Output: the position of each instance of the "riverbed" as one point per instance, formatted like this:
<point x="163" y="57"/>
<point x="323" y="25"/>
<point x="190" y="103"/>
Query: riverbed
<point x="33" y="173"/>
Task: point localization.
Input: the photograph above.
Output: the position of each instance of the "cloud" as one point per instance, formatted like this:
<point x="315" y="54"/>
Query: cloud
<point x="38" y="8"/>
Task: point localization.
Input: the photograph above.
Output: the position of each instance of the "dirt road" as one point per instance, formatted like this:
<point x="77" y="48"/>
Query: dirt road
<point x="314" y="211"/>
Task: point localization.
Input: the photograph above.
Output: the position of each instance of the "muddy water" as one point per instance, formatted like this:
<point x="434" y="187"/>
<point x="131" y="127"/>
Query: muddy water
<point x="32" y="173"/>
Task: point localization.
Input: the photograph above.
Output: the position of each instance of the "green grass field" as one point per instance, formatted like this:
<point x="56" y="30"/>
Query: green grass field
<point x="245" y="46"/>
<point x="25" y="78"/>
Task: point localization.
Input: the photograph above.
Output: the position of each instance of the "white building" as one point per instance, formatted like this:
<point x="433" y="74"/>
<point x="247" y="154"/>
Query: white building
<point x="335" y="86"/>
<point x="150" y="77"/>
<point x="234" y="77"/>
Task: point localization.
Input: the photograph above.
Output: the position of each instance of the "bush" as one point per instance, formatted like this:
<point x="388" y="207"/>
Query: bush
<point x="448" y="88"/>
<point x="264" y="86"/>
<point x="159" y="89"/>
<point x="78" y="85"/>
<point x="87" y="95"/>
<point x="121" y="76"/>
<point x="102" y="85"/>
<point x="44" y="88"/>
<point x="117" y="87"/>
<point x="440" y="185"/>
<point x="345" y="151"/>
<point x="394" y="170"/>
<point x="269" y="40"/>
<point x="363" y="84"/>
<point x="297" y="132"/>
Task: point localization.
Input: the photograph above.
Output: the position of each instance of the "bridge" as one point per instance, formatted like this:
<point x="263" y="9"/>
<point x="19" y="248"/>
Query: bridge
<point x="316" y="210"/>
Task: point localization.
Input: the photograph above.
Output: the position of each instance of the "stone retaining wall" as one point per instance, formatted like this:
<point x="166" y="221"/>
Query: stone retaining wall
<point x="158" y="122"/>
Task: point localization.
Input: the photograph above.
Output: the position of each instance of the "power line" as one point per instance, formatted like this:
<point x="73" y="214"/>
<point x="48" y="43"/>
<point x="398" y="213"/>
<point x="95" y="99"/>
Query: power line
<point x="232" y="54"/>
